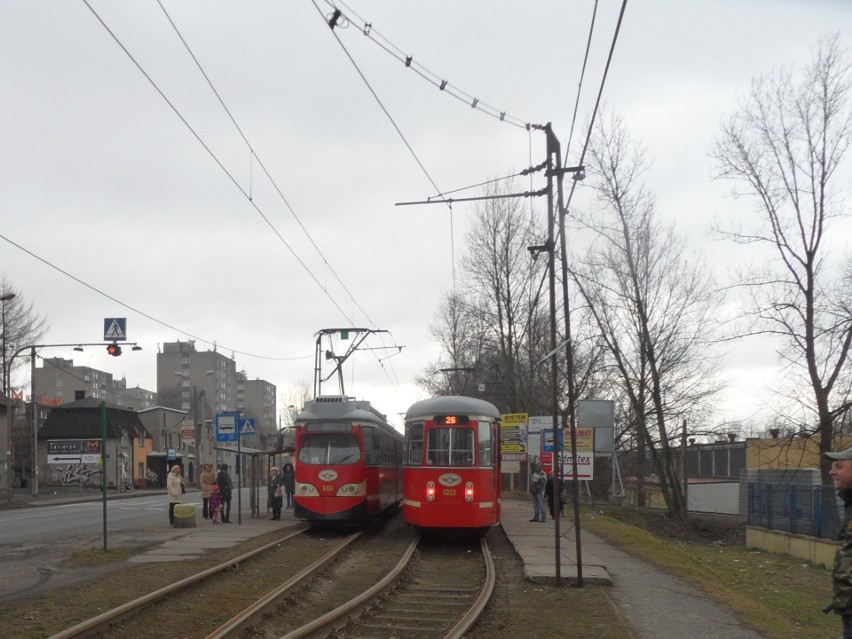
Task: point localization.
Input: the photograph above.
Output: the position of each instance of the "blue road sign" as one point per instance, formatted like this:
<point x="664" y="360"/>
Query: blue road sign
<point x="226" y="427"/>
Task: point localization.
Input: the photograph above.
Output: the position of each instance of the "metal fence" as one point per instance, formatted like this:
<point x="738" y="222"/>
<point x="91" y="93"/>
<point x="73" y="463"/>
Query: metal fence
<point x="805" y="509"/>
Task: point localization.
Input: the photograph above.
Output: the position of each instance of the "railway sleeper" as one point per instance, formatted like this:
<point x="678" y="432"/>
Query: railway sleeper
<point x="428" y="597"/>
<point x="395" y="630"/>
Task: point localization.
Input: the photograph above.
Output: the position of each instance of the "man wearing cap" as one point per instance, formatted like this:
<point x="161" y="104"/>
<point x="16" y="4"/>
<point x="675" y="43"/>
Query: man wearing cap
<point x="537" y="481"/>
<point x="841" y="473"/>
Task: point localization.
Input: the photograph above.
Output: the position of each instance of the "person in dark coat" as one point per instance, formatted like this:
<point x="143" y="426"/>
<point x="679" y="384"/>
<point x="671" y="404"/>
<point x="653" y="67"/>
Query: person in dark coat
<point x="223" y="481"/>
<point x="548" y="495"/>
<point x="841" y="574"/>
<point x="288" y="477"/>
<point x="274" y="492"/>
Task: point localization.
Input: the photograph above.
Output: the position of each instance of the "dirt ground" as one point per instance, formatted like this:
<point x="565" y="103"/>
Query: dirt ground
<point x="519" y="608"/>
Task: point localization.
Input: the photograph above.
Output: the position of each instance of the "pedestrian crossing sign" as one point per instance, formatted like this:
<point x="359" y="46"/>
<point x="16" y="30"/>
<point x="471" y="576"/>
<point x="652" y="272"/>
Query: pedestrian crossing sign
<point x="247" y="427"/>
<point x="115" y="328"/>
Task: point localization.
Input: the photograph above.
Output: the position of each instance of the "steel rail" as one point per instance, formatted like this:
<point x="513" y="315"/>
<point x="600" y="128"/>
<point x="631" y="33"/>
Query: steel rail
<point x="478" y="607"/>
<point x="105" y="620"/>
<point x="262" y="605"/>
<point x="338" y="617"/>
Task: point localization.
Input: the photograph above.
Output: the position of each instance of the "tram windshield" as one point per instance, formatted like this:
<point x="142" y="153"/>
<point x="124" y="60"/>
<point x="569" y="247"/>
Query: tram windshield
<point x="330" y="448"/>
<point x="451" y="447"/>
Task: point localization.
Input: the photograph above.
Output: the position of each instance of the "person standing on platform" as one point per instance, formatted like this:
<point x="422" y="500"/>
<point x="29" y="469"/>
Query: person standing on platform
<point x="214" y="504"/>
<point x="226" y="487"/>
<point x="174" y="486"/>
<point x="551" y="499"/>
<point x="275" y="493"/>
<point x="207" y="480"/>
<point x="538" y="480"/>
<point x="841" y="473"/>
<point x="288" y="477"/>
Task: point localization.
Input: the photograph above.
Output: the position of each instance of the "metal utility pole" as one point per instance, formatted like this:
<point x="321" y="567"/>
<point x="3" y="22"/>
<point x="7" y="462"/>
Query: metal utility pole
<point x="555" y="170"/>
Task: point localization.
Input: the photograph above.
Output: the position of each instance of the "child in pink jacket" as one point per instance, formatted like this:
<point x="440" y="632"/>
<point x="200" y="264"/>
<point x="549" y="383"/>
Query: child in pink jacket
<point x="214" y="504"/>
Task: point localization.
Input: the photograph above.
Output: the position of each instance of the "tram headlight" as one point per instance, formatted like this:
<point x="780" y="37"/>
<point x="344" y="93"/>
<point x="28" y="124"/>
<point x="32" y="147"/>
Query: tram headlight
<point x="468" y="492"/>
<point x="306" y="490"/>
<point x="430" y="491"/>
<point x="352" y="490"/>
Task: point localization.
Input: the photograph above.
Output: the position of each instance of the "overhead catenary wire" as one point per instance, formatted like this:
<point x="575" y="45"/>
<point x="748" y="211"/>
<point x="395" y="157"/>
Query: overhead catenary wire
<point x="580" y="83"/>
<point x="141" y="312"/>
<point x="409" y="61"/>
<point x="254" y="157"/>
<point x="399" y="132"/>
<point x="229" y="175"/>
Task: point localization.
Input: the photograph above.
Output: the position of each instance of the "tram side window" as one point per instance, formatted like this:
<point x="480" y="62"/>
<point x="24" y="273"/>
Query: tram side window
<point x="450" y="447"/>
<point x="371" y="446"/>
<point x="486" y="444"/>
<point x="414" y="439"/>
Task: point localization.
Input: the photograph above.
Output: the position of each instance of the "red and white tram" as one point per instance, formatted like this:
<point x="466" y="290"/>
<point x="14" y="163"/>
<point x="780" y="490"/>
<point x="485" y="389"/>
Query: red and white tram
<point x="348" y="466"/>
<point x="452" y="463"/>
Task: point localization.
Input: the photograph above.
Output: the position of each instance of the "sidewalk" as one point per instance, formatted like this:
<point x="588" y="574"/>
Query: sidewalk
<point x="53" y="495"/>
<point x="536" y="544"/>
<point x="656" y="604"/>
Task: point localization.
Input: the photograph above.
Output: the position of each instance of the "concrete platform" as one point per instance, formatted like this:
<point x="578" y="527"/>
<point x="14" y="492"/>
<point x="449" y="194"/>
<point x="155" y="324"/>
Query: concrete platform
<point x="535" y="543"/>
<point x="193" y="543"/>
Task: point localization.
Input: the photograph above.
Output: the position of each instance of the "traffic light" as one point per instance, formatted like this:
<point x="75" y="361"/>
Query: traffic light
<point x="114" y="350"/>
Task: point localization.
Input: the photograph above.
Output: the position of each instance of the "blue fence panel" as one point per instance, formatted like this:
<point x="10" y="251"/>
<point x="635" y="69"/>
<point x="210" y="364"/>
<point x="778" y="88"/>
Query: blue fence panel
<point x="805" y="509"/>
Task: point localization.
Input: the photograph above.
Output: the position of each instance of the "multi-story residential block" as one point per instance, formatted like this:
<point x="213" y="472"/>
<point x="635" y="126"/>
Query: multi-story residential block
<point x="202" y="383"/>
<point x="256" y="399"/>
<point x="58" y="381"/>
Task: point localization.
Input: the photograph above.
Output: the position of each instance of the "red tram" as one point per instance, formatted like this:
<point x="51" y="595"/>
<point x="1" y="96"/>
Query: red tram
<point x="452" y="463"/>
<point x="348" y="461"/>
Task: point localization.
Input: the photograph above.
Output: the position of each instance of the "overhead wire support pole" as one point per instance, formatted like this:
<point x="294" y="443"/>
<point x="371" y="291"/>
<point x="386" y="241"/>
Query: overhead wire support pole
<point x="579" y="174"/>
<point x="557" y="171"/>
<point x="552" y="147"/>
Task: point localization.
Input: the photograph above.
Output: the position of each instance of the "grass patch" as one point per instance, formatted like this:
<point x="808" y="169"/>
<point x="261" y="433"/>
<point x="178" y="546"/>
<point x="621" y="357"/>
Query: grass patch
<point x="94" y="557"/>
<point x="779" y="595"/>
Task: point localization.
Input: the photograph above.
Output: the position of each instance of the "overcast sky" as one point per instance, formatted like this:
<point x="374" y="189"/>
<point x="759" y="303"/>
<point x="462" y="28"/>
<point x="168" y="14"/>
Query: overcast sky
<point x="107" y="190"/>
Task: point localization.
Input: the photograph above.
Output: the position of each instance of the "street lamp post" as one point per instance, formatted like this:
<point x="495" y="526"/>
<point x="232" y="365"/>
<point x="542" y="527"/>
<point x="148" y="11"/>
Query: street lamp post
<point x="6" y="385"/>
<point x="197" y="416"/>
<point x="6" y="297"/>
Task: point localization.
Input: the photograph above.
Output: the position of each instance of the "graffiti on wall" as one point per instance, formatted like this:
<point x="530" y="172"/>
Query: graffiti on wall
<point x="151" y="477"/>
<point x="75" y="474"/>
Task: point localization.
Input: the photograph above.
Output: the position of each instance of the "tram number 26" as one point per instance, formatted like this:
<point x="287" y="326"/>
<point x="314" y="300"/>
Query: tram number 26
<point x="449" y="492"/>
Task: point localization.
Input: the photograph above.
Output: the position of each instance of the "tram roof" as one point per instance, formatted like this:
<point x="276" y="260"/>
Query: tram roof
<point x="452" y="404"/>
<point x="342" y="408"/>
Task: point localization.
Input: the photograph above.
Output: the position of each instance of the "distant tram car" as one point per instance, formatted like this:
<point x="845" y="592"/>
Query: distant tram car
<point x="452" y="463"/>
<point x="349" y="462"/>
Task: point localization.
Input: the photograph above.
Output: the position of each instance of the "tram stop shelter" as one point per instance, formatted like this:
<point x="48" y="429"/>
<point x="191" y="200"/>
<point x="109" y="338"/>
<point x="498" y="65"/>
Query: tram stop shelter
<point x="256" y="463"/>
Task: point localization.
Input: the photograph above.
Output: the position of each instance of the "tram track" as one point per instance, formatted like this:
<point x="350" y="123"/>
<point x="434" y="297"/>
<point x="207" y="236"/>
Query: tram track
<point x="121" y="620"/>
<point x="390" y="583"/>
<point x="436" y="593"/>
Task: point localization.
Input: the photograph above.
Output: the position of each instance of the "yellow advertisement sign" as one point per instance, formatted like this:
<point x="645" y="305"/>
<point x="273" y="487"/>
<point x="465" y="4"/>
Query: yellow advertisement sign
<point x="513" y="436"/>
<point x="585" y="439"/>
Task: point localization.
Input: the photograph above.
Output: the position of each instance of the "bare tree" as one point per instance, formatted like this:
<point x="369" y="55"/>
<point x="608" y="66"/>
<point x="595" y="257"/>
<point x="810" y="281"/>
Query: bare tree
<point x="652" y="303"/>
<point x="461" y="334"/>
<point x="22" y="326"/>
<point x="292" y="400"/>
<point x="785" y="144"/>
<point x="490" y="335"/>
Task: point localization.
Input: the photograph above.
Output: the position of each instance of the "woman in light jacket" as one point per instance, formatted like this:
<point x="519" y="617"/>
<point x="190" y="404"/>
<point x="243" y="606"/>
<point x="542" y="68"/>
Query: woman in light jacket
<point x="174" y="485"/>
